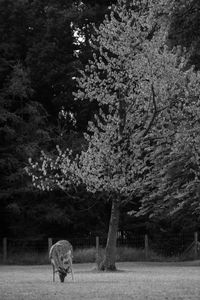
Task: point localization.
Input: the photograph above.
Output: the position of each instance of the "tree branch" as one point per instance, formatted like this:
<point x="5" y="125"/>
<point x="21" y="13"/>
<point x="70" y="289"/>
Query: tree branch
<point x="154" y="113"/>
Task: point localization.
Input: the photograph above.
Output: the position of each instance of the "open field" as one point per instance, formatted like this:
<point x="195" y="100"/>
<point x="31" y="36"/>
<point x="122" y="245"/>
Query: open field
<point x="134" y="280"/>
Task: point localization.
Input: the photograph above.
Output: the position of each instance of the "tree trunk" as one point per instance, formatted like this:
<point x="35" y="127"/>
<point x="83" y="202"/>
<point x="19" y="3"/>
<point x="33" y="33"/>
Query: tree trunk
<point x="108" y="262"/>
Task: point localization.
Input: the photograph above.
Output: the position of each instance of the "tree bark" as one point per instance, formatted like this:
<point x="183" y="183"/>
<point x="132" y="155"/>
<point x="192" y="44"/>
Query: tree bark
<point x="109" y="260"/>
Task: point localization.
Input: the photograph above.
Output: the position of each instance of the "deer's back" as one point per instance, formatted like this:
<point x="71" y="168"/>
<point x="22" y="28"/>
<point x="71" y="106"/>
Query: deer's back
<point x="59" y="251"/>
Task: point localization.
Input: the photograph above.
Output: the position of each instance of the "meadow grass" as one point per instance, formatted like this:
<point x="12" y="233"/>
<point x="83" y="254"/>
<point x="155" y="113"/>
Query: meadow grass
<point x="134" y="280"/>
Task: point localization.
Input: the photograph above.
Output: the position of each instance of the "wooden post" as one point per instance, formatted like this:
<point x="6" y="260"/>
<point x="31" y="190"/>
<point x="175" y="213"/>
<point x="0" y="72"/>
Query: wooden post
<point x="195" y="245"/>
<point x="146" y="243"/>
<point x="5" y="250"/>
<point x="97" y="249"/>
<point x="50" y="243"/>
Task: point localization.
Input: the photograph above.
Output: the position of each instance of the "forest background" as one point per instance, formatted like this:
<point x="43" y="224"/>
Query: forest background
<point x="43" y="46"/>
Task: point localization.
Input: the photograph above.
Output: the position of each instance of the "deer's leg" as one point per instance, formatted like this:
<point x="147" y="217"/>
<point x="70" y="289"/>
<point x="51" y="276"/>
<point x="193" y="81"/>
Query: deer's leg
<point x="53" y="273"/>
<point x="53" y="266"/>
<point x="72" y="272"/>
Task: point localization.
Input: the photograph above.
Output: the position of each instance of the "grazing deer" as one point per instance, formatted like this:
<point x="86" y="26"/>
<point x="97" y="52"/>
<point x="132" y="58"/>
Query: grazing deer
<point x="61" y="255"/>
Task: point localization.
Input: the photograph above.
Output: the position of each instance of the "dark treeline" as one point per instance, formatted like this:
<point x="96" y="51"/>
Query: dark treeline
<point x="38" y="63"/>
<point x="40" y="55"/>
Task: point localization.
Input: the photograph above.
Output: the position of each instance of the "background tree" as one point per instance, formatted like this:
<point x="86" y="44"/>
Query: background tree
<point x="25" y="26"/>
<point x="37" y="66"/>
<point x="184" y="28"/>
<point x="22" y="129"/>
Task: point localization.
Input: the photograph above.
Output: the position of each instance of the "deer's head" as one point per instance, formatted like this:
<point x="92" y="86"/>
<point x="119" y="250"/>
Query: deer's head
<point x="62" y="272"/>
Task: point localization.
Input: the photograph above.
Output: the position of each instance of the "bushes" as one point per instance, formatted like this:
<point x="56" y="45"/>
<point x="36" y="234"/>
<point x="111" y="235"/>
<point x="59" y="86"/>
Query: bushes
<point x="87" y="255"/>
<point x="84" y="255"/>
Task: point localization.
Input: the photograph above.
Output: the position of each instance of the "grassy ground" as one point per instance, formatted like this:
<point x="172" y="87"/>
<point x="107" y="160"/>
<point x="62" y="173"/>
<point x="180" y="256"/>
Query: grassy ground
<point x="134" y="280"/>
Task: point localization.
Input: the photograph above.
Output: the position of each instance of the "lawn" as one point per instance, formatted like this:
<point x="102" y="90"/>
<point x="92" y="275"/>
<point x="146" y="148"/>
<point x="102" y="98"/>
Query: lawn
<point x="134" y="280"/>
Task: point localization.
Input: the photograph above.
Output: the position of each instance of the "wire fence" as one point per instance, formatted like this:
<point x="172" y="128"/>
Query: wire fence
<point x="78" y="243"/>
<point x="184" y="246"/>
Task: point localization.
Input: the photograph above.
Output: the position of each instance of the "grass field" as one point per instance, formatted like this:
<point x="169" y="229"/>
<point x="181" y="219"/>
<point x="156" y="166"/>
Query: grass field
<point x="134" y="280"/>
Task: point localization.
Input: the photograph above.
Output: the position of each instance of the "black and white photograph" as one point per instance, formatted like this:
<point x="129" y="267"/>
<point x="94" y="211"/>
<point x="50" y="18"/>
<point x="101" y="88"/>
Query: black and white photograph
<point x="99" y="149"/>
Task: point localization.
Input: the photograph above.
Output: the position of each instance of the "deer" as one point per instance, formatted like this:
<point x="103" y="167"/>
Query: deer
<point x="61" y="255"/>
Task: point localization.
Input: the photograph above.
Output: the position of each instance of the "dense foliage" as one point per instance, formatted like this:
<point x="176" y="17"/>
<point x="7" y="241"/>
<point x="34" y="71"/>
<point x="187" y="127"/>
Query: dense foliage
<point x="37" y="69"/>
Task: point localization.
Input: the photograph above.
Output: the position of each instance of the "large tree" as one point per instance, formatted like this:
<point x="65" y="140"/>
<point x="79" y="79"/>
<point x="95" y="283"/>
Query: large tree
<point x="144" y="91"/>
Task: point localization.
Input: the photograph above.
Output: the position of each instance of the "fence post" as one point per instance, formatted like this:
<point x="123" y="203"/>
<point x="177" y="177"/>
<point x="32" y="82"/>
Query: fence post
<point x="97" y="248"/>
<point x="195" y="245"/>
<point x="50" y="243"/>
<point x="146" y="243"/>
<point x="5" y="250"/>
